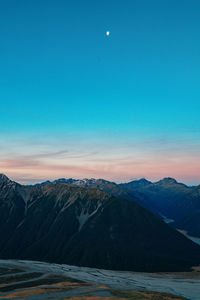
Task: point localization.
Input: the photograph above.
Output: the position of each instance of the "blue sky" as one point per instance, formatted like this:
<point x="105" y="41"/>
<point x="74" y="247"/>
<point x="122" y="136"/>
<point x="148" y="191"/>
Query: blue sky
<point x="66" y="87"/>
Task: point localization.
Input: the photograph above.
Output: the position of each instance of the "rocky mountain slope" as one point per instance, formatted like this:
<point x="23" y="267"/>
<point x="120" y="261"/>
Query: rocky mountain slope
<point x="162" y="195"/>
<point x="87" y="227"/>
<point x="165" y="198"/>
<point x="109" y="187"/>
<point x="172" y="199"/>
<point x="189" y="213"/>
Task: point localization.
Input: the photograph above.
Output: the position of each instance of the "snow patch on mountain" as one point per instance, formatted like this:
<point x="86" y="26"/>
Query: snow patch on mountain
<point x="85" y="215"/>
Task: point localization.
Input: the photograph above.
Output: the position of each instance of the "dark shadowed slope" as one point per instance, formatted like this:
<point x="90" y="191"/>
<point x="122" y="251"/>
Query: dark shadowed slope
<point x="190" y="223"/>
<point x="166" y="197"/>
<point x="189" y="213"/>
<point x="69" y="224"/>
<point x="162" y="195"/>
<point x="172" y="199"/>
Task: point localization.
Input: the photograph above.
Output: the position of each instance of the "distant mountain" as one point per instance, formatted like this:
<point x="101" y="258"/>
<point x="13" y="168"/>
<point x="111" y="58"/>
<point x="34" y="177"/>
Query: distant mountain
<point x="162" y="195"/>
<point x="137" y="184"/>
<point x="190" y="202"/>
<point x="189" y="212"/>
<point x="169" y="198"/>
<point x="166" y="198"/>
<point x="109" y="187"/>
<point x="70" y="224"/>
<point x="80" y="182"/>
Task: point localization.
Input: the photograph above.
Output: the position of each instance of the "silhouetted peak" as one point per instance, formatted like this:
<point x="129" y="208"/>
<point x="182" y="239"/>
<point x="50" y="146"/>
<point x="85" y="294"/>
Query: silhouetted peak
<point x="144" y="180"/>
<point x="4" y="178"/>
<point x="139" y="182"/>
<point x="168" y="180"/>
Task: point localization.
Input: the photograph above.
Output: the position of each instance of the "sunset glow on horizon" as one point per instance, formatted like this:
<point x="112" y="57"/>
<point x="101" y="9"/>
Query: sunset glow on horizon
<point x="39" y="159"/>
<point x="78" y="100"/>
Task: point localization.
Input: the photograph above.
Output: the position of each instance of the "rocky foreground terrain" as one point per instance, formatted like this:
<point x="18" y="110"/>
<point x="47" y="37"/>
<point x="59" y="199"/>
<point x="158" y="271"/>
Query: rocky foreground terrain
<point x="37" y="281"/>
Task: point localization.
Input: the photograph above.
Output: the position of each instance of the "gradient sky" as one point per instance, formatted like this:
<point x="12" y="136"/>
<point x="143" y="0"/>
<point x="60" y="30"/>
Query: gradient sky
<point x="77" y="103"/>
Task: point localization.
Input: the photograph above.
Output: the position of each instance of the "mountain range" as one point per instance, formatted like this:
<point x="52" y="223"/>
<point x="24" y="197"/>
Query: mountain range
<point x="173" y="200"/>
<point x="80" y="224"/>
<point x="166" y="198"/>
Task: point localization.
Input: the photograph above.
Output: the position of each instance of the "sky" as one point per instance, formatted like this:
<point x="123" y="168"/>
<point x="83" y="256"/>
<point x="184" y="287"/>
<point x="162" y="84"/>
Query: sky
<point x="75" y="102"/>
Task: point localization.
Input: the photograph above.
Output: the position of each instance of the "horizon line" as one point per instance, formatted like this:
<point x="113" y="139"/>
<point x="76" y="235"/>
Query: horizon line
<point x="33" y="181"/>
